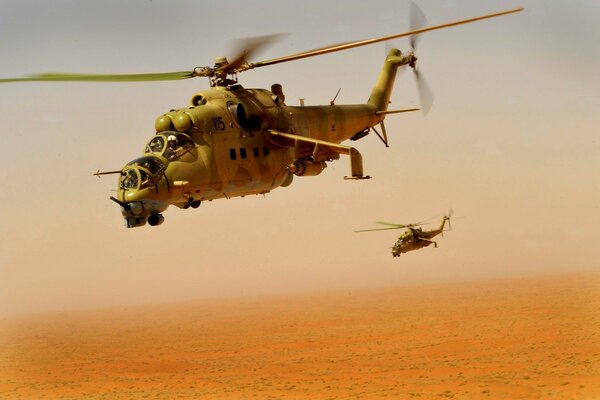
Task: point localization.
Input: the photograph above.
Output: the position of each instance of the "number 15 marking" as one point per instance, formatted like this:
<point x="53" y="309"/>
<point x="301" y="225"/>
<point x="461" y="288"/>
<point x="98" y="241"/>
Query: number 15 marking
<point x="218" y="123"/>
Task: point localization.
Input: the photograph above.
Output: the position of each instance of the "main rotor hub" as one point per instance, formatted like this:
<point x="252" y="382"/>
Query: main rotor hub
<point x="221" y="61"/>
<point x="412" y="60"/>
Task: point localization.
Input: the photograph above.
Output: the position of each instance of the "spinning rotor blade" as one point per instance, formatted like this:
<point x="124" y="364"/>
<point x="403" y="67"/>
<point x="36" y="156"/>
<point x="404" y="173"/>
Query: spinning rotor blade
<point x="51" y="77"/>
<point x="239" y="63"/>
<point x="417" y="21"/>
<point x="398" y="225"/>
<point x="350" y="45"/>
<point x="391" y="226"/>
<point x="425" y="92"/>
<point x="448" y="216"/>
<point x="378" y="229"/>
<point x="245" y="49"/>
<point x="395" y="226"/>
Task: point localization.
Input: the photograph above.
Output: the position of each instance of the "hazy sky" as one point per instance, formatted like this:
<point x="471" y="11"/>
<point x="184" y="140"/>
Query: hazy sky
<point x="511" y="144"/>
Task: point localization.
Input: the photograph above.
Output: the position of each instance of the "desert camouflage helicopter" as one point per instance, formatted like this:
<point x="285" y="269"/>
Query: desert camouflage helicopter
<point x="232" y="141"/>
<point x="413" y="238"/>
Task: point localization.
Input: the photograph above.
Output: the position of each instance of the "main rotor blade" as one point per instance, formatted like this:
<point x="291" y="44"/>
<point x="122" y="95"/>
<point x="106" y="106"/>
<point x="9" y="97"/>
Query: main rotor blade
<point x="398" y="225"/>
<point x="378" y="229"/>
<point x="161" y="76"/>
<point x="350" y="45"/>
<point x="246" y="48"/>
<point x="390" y="224"/>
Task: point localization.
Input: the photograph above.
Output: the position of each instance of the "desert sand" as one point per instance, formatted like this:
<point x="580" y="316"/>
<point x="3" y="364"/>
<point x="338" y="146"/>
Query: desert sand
<point x="528" y="338"/>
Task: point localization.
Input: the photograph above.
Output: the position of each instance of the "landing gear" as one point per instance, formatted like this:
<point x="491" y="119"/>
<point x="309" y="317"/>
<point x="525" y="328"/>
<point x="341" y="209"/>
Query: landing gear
<point x="155" y="219"/>
<point x="192" y="203"/>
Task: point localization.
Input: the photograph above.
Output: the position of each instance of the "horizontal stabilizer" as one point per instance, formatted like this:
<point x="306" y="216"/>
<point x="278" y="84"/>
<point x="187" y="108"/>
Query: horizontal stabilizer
<point x="396" y="111"/>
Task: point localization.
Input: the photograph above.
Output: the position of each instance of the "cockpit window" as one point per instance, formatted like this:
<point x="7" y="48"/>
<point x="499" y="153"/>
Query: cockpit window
<point x="129" y="180"/>
<point x="142" y="172"/>
<point x="170" y="145"/>
<point x="152" y="164"/>
<point x="156" y="145"/>
<point x="145" y="179"/>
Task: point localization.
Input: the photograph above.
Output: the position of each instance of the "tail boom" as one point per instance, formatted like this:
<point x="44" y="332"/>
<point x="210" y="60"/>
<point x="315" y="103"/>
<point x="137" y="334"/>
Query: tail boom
<point x="380" y="96"/>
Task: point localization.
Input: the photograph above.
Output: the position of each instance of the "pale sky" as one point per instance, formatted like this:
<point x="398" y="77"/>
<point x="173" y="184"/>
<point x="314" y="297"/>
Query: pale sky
<point x="511" y="144"/>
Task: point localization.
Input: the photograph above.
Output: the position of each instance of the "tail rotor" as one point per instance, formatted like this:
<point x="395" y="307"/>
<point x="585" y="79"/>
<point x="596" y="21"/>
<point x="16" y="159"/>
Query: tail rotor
<point x="417" y="21"/>
<point x="447" y="218"/>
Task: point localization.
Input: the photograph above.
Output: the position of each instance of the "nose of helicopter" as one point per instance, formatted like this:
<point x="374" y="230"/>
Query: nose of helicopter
<point x="133" y="213"/>
<point x="137" y="213"/>
<point x="138" y="187"/>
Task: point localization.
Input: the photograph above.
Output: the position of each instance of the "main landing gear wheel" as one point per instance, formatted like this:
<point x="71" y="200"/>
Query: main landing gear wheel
<point x="192" y="203"/>
<point x="155" y="219"/>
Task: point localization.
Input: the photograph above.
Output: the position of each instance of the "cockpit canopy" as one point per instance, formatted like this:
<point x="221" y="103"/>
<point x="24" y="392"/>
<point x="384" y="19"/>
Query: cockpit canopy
<point x="142" y="172"/>
<point x="170" y="145"/>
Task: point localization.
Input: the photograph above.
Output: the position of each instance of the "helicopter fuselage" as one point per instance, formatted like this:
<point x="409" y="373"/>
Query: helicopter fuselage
<point x="417" y="238"/>
<point x="410" y="241"/>
<point x="245" y="141"/>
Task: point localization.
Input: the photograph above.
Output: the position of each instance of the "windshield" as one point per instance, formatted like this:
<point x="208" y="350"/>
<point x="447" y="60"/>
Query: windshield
<point x="170" y="145"/>
<point x="129" y="179"/>
<point x="142" y="172"/>
<point x="156" y="145"/>
<point x="151" y="163"/>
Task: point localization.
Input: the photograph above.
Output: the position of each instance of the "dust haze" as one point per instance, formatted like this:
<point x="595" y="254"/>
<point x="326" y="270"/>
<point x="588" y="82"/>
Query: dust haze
<point x="511" y="144"/>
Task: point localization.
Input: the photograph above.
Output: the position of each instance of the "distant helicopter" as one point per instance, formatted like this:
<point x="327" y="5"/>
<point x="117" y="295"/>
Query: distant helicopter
<point x="413" y="238"/>
<point x="231" y="141"/>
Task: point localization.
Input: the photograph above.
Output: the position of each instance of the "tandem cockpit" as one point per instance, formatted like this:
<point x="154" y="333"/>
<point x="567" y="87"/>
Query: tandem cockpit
<point x="146" y="171"/>
<point x="144" y="179"/>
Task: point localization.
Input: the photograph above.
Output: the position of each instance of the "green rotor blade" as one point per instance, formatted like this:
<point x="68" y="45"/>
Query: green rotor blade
<point x="52" y="77"/>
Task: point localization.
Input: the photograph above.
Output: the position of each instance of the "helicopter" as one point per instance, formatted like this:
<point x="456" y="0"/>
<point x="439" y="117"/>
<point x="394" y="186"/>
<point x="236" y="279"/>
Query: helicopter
<point x="231" y="141"/>
<point x="414" y="238"/>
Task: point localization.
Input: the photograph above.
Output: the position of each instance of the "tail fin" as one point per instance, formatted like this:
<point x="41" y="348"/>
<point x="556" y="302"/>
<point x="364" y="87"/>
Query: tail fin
<point x="446" y="218"/>
<point x="380" y="96"/>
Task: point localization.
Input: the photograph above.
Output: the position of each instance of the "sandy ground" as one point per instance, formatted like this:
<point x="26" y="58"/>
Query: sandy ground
<point x="534" y="338"/>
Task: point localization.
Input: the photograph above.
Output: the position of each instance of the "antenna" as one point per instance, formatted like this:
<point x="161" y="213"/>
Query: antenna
<point x="332" y="102"/>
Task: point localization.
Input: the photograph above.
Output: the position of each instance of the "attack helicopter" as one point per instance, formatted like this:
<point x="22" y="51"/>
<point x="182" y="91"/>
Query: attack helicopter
<point x="414" y="238"/>
<point x="233" y="142"/>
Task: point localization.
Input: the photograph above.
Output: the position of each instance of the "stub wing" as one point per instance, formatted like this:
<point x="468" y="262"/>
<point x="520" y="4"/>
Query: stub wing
<point x="318" y="150"/>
